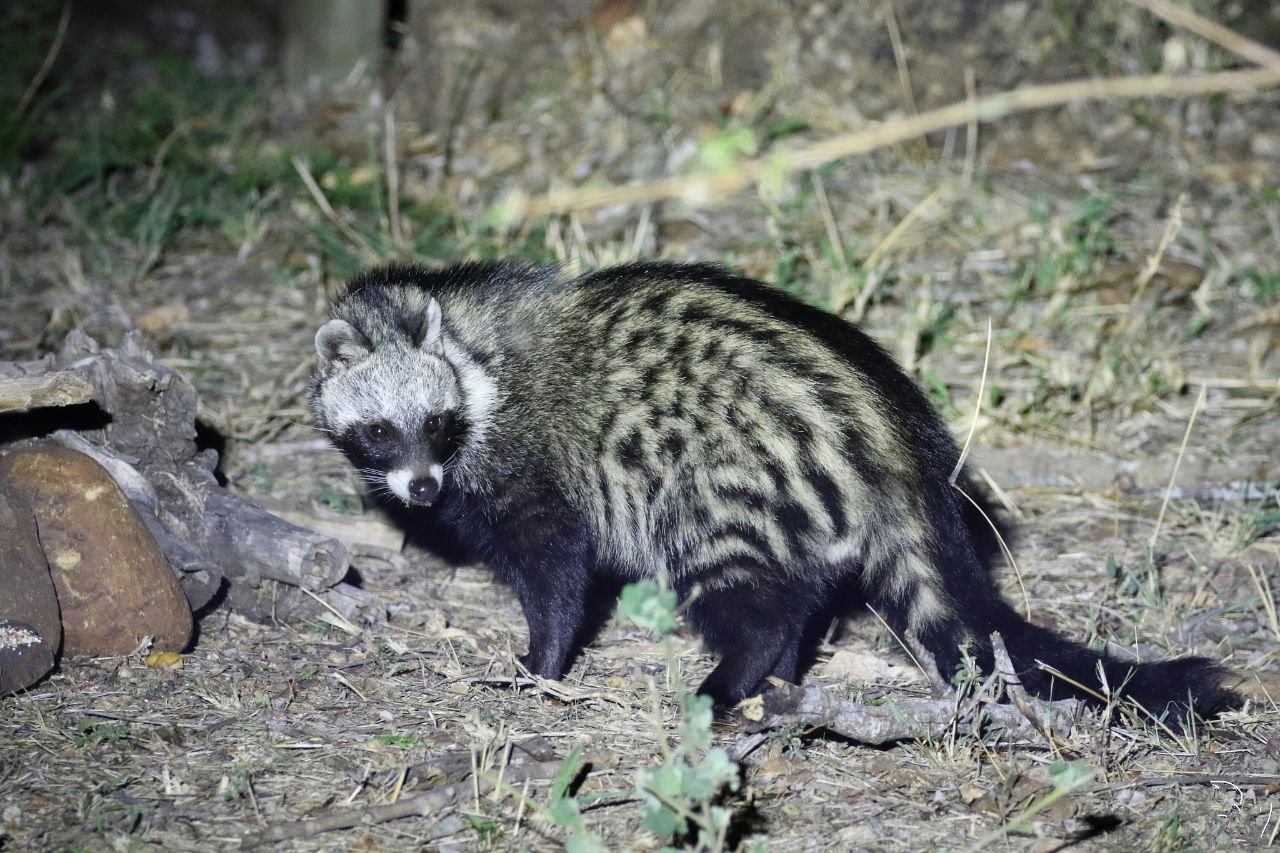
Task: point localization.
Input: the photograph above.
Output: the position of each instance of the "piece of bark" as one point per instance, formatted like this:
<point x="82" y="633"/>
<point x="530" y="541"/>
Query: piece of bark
<point x="152" y="407"/>
<point x="62" y="388"/>
<point x="786" y="706"/>
<point x="25" y="657"/>
<point x="1013" y="684"/>
<point x="153" y="412"/>
<point x="209" y="533"/>
<point x="114" y="585"/>
<point x="273" y="601"/>
<point x="26" y="589"/>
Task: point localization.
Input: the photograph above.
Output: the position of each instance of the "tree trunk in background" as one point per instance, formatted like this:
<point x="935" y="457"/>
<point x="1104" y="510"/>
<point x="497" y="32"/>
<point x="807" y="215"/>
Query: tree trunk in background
<point x="324" y="40"/>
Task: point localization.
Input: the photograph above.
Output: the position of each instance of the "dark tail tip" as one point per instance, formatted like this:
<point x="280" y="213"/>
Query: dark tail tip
<point x="1173" y="688"/>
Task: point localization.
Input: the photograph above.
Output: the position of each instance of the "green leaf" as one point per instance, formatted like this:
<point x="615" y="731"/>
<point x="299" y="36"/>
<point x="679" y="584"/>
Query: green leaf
<point x="667" y="780"/>
<point x="566" y="773"/>
<point x="397" y="740"/>
<point x="697" y="714"/>
<point x="723" y="150"/>
<point x="1070" y="775"/>
<point x="719" y="767"/>
<point x="649" y="606"/>
<point x="703" y="782"/>
<point x="661" y="820"/>
<point x="785" y="127"/>
<point x="583" y="842"/>
<point x="565" y="812"/>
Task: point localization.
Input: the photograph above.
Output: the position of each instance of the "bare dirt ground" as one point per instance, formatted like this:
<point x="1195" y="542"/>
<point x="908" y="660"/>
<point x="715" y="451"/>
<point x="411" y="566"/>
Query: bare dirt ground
<point x="1127" y="255"/>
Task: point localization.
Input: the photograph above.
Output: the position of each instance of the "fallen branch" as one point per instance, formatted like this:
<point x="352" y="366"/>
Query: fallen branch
<point x="1013" y="685"/>
<point x="148" y="446"/>
<point x="59" y="388"/>
<point x="1182" y="16"/>
<point x="905" y="719"/>
<point x="703" y="187"/>
<point x="1245" y="780"/>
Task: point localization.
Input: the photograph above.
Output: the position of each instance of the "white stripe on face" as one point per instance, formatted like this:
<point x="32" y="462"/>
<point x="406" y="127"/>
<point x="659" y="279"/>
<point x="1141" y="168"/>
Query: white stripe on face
<point x="398" y="480"/>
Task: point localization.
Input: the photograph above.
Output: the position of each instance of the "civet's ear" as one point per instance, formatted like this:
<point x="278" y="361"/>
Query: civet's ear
<point x="341" y="345"/>
<point x="429" y="338"/>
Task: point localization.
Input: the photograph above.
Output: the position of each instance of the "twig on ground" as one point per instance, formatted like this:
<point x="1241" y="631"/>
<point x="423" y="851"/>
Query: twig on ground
<point x="1013" y="686"/>
<point x="909" y="718"/>
<point x="937" y="684"/>
<point x="1185" y="17"/>
<point x="317" y="195"/>
<point x="1173" y="475"/>
<point x="393" y="172"/>
<point x="1190" y="779"/>
<point x="909" y="649"/>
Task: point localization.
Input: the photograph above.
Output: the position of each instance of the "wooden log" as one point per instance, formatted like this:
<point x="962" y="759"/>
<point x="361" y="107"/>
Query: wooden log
<point x="326" y="40"/>
<point x="257" y="545"/>
<point x="60" y="388"/>
<point x="354" y="531"/>
<point x="207" y="534"/>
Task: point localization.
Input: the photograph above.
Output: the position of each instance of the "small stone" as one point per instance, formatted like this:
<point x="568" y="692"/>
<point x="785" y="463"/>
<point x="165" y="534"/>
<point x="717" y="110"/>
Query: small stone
<point x="26" y="590"/>
<point x="24" y="657"/>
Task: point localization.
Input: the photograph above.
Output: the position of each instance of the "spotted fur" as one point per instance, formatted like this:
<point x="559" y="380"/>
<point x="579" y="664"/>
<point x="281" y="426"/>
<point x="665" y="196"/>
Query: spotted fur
<point x="679" y="423"/>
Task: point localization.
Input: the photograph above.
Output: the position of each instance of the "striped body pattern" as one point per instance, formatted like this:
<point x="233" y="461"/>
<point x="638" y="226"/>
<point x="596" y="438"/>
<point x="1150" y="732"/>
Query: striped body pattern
<point x="677" y="422"/>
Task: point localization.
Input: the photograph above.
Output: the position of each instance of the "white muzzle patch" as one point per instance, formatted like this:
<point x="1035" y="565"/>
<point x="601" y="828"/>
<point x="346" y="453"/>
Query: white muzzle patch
<point x="398" y="481"/>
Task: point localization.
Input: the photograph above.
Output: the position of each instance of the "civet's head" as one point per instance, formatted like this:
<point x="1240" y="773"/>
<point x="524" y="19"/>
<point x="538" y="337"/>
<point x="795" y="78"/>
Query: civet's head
<point x="387" y="395"/>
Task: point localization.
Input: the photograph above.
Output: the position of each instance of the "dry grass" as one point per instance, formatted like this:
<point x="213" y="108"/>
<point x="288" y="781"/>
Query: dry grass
<point x="1108" y="322"/>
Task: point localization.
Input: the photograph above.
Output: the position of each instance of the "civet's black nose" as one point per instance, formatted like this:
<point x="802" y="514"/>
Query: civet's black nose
<point x="424" y="489"/>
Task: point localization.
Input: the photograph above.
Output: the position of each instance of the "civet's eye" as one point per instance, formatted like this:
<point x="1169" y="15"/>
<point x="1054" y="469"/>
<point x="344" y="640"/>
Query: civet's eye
<point x="433" y="424"/>
<point x="378" y="431"/>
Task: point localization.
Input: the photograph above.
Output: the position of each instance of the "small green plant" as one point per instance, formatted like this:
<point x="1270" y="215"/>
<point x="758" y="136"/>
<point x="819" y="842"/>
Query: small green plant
<point x="94" y="732"/>
<point x="650" y="607"/>
<point x="341" y="500"/>
<point x="486" y="830"/>
<point x="1171" y="836"/>
<point x="1138" y="579"/>
<point x="680" y="794"/>
<point x="235" y="785"/>
<point x="1262" y="287"/>
<point x="26" y="32"/>
<point x="680" y="798"/>
<point x="936" y="388"/>
<point x="725" y="149"/>
<point x="397" y="740"/>
<point x="1069" y="253"/>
